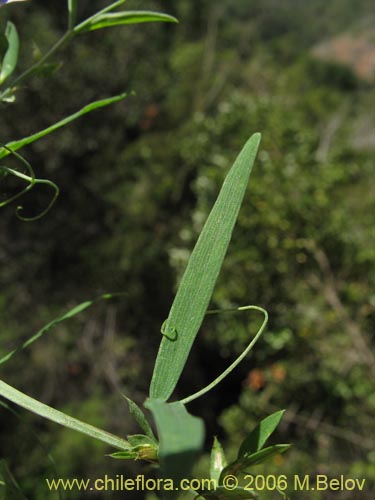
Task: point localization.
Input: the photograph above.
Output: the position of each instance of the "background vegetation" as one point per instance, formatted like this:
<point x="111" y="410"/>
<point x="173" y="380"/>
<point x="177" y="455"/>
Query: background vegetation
<point x="137" y="181"/>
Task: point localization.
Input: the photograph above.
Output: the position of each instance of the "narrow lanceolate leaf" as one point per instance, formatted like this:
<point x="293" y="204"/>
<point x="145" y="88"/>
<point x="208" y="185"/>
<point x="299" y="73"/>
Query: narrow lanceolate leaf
<point x="9" y="62"/>
<point x="198" y="281"/>
<point x="15" y="145"/>
<point x="108" y="20"/>
<point x="21" y="399"/>
<point x="140" y="417"/>
<point x="68" y="315"/>
<point x="180" y="435"/>
<point x="258" y="437"/>
<point x="218" y="461"/>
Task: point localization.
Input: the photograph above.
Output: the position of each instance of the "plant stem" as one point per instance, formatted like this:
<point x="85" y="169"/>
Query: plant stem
<point x="68" y="34"/>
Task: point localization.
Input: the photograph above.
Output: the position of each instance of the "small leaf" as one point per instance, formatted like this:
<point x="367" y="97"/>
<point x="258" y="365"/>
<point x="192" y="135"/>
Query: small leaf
<point x="124" y="455"/>
<point x="15" y="145"/>
<point x="258" y="437"/>
<point x="129" y="17"/>
<point x="194" y="293"/>
<point x="83" y="25"/>
<point x="218" y="460"/>
<point x="181" y="437"/>
<point x="140" y="417"/>
<point x="11" y="56"/>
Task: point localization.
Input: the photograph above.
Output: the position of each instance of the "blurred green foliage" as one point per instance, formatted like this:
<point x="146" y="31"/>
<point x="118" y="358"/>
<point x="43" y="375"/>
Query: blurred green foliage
<point x="137" y="182"/>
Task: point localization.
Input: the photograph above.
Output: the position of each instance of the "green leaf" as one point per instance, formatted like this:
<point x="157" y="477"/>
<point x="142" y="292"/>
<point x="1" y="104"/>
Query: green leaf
<point x="124" y="455"/>
<point x="181" y="437"/>
<point x="197" y="284"/>
<point x="15" y="145"/>
<point x="246" y="461"/>
<point x="11" y="55"/>
<point x="217" y="461"/>
<point x="81" y="27"/>
<point x="257" y="438"/>
<point x="118" y="18"/>
<point x="35" y="406"/>
<point x="68" y="315"/>
<point x="140" y="417"/>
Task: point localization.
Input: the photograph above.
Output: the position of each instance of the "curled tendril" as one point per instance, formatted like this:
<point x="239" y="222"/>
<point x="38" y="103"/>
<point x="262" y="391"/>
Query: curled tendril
<point x="32" y="181"/>
<point x="235" y="363"/>
<point x="170" y="332"/>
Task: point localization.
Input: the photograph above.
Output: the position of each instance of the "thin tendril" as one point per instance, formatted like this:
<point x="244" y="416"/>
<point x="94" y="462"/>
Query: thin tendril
<point x="32" y="181"/>
<point x="240" y="357"/>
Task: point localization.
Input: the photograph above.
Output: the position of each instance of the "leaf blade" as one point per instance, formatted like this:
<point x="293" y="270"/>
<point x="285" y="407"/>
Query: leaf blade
<point x="197" y="284"/>
<point x="217" y="460"/>
<point x="68" y="315"/>
<point x="18" y="144"/>
<point x="11" y="55"/>
<point x="43" y="410"/>
<point x="108" y="20"/>
<point x="259" y="435"/>
<point x="140" y="418"/>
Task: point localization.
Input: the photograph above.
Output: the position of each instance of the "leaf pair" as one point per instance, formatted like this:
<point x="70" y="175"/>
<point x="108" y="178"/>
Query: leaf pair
<point x="251" y="452"/>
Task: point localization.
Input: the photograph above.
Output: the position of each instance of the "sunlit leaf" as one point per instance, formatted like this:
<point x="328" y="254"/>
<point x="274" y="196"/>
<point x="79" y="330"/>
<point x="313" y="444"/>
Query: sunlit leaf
<point x="15" y="145"/>
<point x="197" y="284"/>
<point x="108" y="20"/>
<point x="217" y="460"/>
<point x="43" y="410"/>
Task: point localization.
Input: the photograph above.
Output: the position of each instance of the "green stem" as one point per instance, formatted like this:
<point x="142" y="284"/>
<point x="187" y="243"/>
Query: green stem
<point x="69" y="34"/>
